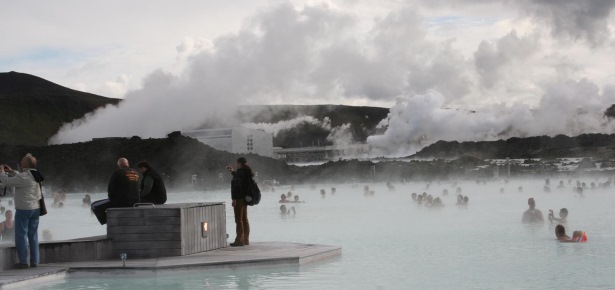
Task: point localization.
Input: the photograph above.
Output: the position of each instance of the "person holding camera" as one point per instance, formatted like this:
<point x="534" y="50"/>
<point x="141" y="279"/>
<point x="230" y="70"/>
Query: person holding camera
<point x="27" y="209"/>
<point x="563" y="216"/>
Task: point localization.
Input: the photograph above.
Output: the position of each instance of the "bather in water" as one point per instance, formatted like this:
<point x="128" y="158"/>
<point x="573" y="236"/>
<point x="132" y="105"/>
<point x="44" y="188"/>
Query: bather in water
<point x="532" y="215"/>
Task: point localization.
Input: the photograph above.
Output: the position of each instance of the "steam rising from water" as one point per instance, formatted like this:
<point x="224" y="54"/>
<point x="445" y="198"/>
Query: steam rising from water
<point x="275" y="128"/>
<point x="521" y="84"/>
<point x="572" y="108"/>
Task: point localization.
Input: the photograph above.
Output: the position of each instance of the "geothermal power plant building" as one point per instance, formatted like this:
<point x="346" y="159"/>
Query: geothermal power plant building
<point x="238" y="140"/>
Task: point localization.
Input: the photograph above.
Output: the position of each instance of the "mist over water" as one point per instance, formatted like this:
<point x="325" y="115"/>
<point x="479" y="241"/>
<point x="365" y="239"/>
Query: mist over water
<point x="389" y="242"/>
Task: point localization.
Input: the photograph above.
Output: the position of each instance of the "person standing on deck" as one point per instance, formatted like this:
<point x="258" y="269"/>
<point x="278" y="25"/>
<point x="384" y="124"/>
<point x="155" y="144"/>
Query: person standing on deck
<point x="27" y="209"/>
<point x="240" y="184"/>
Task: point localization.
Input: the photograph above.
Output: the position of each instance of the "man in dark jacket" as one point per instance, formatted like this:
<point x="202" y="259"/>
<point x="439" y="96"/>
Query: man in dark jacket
<point x="152" y="185"/>
<point x="240" y="185"/>
<point x="123" y="191"/>
<point x="124" y="185"/>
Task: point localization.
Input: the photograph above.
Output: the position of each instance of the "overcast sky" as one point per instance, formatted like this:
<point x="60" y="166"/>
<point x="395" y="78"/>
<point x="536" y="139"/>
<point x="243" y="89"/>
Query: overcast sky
<point x="472" y="54"/>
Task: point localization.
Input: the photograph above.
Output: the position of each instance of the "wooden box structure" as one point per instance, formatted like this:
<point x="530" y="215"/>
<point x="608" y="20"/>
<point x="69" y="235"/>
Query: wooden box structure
<point x="167" y="230"/>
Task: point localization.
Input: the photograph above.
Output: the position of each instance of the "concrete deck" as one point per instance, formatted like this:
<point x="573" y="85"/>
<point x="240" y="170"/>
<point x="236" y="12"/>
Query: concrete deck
<point x="256" y="254"/>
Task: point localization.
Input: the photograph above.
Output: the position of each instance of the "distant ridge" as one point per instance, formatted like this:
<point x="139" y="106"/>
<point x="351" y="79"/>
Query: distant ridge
<point x="598" y="146"/>
<point x="33" y="109"/>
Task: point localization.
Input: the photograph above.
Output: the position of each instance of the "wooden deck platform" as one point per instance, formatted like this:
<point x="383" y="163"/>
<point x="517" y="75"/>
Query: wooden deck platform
<point x="256" y="254"/>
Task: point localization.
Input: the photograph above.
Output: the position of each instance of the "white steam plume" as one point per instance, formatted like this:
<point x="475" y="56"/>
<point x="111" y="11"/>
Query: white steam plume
<point x="571" y="108"/>
<point x="340" y="135"/>
<point x="275" y="128"/>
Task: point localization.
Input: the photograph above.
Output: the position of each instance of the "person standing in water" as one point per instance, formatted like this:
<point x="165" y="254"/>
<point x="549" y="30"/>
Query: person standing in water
<point x="532" y="215"/>
<point x="7" y="227"/>
<point x="240" y="185"/>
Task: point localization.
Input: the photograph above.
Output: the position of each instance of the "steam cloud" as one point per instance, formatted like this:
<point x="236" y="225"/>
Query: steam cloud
<point x="521" y="84"/>
<point x="275" y="128"/>
<point x="415" y="121"/>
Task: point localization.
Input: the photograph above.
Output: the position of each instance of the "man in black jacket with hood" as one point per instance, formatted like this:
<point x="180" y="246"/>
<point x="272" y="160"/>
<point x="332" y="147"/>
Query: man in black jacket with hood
<point x="152" y="185"/>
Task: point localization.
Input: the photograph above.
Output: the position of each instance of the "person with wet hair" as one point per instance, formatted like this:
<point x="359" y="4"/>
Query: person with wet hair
<point x="560" y="234"/>
<point x="27" y="209"/>
<point x="414" y="196"/>
<point x="437" y="202"/>
<point x="563" y="216"/>
<point x="459" y="199"/>
<point x="429" y="202"/>
<point x="283" y="199"/>
<point x="241" y="184"/>
<point x="7" y="227"/>
<point x="296" y="199"/>
<point x="532" y="215"/>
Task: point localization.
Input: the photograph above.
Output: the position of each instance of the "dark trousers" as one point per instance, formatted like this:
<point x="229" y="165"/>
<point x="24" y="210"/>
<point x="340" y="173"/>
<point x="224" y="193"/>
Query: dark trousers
<point x="241" y="222"/>
<point x="100" y="207"/>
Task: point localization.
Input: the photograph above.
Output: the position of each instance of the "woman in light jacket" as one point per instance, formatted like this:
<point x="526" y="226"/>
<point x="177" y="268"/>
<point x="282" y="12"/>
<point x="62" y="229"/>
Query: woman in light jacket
<point x="27" y="209"/>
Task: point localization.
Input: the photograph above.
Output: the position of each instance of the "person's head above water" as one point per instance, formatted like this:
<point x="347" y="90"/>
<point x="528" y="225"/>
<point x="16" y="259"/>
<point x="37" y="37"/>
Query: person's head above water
<point x="560" y="231"/>
<point x="531" y="203"/>
<point x="296" y="198"/>
<point x="563" y="213"/>
<point x="282" y="197"/>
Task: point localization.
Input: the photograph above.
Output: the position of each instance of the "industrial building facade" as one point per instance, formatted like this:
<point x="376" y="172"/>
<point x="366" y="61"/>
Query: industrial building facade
<point x="238" y="140"/>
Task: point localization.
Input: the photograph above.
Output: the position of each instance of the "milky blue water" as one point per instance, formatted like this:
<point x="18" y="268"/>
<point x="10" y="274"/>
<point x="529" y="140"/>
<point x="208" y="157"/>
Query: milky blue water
<point x="389" y="242"/>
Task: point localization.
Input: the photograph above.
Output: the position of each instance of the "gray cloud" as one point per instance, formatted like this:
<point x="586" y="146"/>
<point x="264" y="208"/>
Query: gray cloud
<point x="493" y="57"/>
<point x="579" y="20"/>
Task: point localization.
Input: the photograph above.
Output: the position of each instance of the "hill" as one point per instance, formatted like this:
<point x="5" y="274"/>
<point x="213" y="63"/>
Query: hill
<point x="33" y="109"/>
<point x="587" y="145"/>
